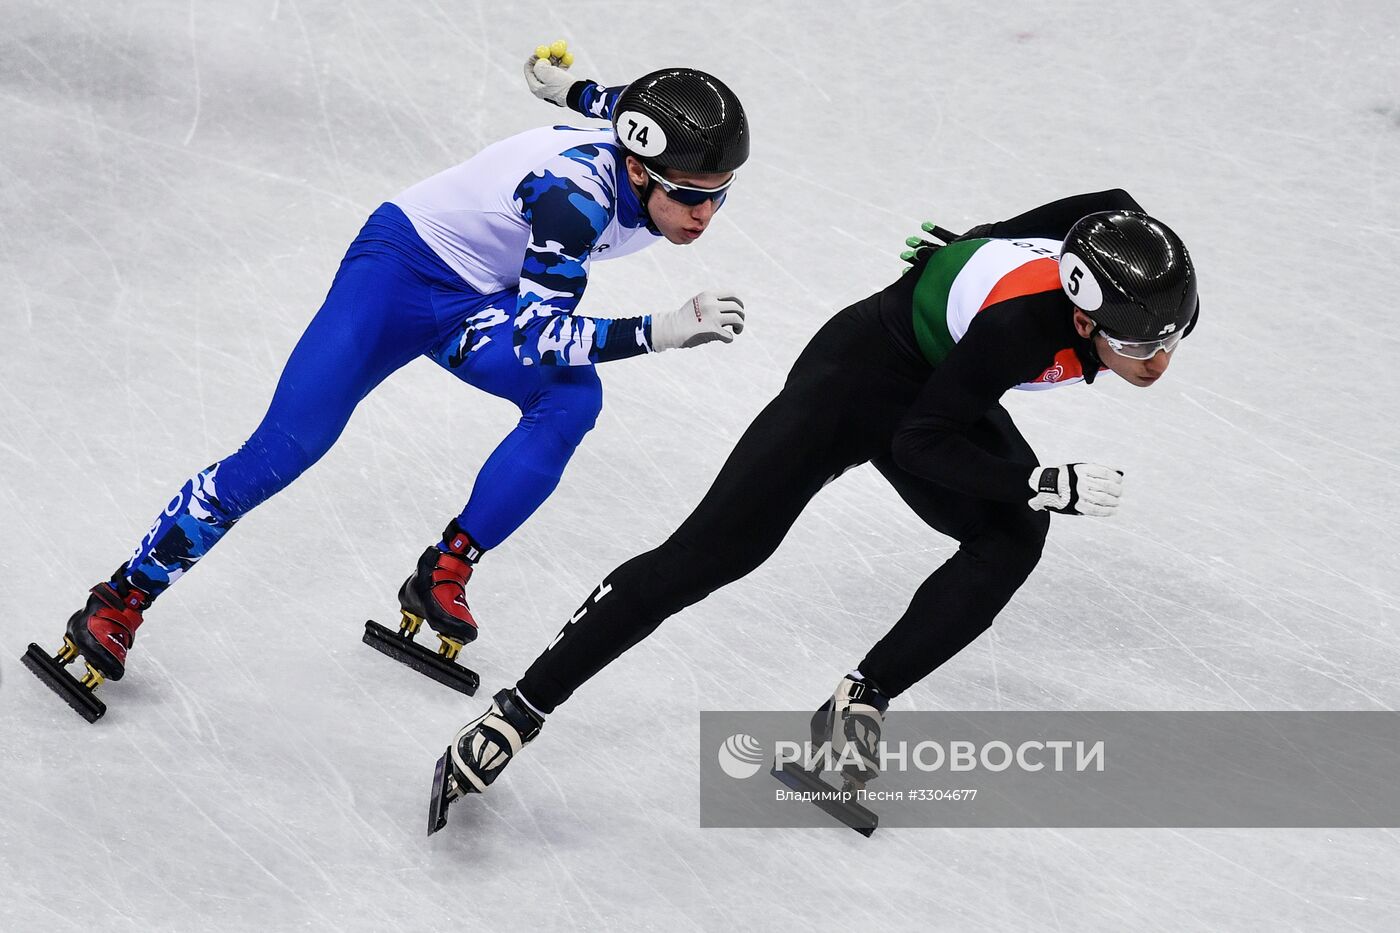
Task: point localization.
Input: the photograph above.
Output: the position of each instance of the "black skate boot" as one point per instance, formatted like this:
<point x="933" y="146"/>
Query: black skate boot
<point x="480" y="752"/>
<point x="102" y="632"/>
<point x="436" y="593"/>
<point x="850" y="721"/>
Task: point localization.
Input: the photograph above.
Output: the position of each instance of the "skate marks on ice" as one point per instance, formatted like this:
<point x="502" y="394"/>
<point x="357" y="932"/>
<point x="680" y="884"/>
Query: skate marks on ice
<point x="318" y="826"/>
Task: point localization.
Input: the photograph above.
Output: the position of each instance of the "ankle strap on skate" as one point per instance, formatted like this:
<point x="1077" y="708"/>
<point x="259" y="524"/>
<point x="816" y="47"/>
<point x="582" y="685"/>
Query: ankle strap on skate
<point x="518" y="713"/>
<point x="864" y="691"/>
<point x="121" y="593"/>
<point x="460" y="543"/>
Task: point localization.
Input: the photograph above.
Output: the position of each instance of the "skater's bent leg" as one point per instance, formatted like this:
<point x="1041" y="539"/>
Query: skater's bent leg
<point x="559" y="405"/>
<point x="782" y="460"/>
<point x="999" y="545"/>
<point x="840" y="405"/>
<point x="371" y="323"/>
<point x="955" y="604"/>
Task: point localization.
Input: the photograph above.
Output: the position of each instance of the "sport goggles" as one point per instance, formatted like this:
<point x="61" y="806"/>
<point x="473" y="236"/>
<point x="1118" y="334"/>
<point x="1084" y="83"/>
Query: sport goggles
<point x="1141" y="349"/>
<point x="690" y="195"/>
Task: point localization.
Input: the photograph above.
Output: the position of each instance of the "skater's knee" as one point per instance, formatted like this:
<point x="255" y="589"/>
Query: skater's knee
<point x="1035" y="532"/>
<point x="1019" y="549"/>
<point x="1011" y="549"/>
<point x="571" y="409"/>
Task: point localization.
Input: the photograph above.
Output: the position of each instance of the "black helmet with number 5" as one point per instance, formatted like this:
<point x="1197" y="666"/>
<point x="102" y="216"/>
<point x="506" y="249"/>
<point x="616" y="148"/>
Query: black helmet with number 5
<point x="1131" y="274"/>
<point x="682" y="119"/>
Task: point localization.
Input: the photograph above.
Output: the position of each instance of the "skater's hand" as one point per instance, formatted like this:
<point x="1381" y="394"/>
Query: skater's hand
<point x="546" y="73"/>
<point x="709" y="316"/>
<point x="919" y="247"/>
<point x="1077" y="489"/>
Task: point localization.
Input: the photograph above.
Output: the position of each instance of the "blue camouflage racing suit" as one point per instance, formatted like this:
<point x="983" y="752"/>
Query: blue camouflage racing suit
<point x="481" y="269"/>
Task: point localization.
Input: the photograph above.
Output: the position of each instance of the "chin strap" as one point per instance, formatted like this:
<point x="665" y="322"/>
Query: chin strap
<point x="645" y="198"/>
<point x="1089" y="356"/>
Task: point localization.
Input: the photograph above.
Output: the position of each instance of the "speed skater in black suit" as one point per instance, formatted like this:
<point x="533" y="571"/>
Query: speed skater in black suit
<point x="909" y="379"/>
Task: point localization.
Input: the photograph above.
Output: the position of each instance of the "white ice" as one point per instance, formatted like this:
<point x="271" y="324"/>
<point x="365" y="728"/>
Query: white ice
<point x="177" y="184"/>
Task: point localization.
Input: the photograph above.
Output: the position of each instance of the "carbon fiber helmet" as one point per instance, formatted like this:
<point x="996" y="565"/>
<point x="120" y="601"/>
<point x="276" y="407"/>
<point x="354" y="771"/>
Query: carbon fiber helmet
<point x="1131" y="274"/>
<point x="682" y="119"/>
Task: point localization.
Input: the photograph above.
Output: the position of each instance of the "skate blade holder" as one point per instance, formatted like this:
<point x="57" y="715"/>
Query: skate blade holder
<point x="77" y="693"/>
<point x="847" y="812"/>
<point x="440" y="665"/>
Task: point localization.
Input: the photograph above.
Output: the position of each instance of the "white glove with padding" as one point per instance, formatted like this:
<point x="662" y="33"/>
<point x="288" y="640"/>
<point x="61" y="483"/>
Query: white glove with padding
<point x="1077" y="489"/>
<point x="709" y="316"/>
<point x="548" y="81"/>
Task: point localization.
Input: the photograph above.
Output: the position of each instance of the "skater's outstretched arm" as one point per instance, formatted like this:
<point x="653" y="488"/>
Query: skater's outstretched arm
<point x="568" y="202"/>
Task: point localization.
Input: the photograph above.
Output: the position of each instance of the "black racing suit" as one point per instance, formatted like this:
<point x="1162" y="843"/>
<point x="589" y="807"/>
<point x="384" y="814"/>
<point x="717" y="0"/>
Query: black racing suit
<point x="861" y="392"/>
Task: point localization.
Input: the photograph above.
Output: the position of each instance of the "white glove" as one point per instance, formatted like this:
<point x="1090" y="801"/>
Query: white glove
<point x="547" y="75"/>
<point x="707" y="317"/>
<point x="1077" y="489"/>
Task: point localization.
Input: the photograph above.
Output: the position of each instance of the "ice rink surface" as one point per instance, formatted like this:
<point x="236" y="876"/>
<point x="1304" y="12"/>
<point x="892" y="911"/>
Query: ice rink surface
<point x="177" y="184"/>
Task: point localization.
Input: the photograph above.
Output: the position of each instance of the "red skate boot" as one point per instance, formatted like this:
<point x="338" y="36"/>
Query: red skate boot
<point x="436" y="593"/>
<point x="102" y="632"/>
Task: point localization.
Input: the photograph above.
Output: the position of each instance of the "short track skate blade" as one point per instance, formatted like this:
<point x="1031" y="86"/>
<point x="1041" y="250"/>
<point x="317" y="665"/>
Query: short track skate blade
<point x="61" y="682"/>
<point x="442" y="793"/>
<point x="849" y="813"/>
<point x="421" y="659"/>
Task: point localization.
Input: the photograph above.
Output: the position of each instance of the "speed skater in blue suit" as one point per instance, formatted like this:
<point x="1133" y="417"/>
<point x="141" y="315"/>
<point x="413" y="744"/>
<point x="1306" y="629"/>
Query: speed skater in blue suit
<point x="481" y="269"/>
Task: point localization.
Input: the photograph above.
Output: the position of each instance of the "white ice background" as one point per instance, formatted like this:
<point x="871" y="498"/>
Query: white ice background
<point x="177" y="184"/>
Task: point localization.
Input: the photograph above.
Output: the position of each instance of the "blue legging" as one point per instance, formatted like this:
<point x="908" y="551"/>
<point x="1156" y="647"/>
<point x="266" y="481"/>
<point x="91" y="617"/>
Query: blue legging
<point x="392" y="300"/>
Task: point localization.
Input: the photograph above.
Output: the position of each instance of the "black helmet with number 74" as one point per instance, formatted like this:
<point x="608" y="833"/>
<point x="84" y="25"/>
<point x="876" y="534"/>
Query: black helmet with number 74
<point x="1130" y="274"/>
<point x="682" y="119"/>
